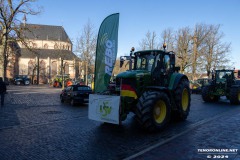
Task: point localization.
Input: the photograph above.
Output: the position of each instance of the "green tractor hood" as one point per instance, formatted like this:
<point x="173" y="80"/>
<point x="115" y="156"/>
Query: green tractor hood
<point x="137" y="79"/>
<point x="133" y="74"/>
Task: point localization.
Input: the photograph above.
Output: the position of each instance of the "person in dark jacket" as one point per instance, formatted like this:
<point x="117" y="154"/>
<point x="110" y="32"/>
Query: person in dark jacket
<point x="3" y="89"/>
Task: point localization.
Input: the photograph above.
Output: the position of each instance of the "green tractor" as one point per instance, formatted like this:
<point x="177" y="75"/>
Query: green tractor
<point x="223" y="84"/>
<point x="153" y="89"/>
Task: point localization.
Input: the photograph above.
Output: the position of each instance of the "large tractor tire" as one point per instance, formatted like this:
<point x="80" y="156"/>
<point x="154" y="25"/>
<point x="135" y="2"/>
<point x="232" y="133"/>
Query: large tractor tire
<point x="153" y="110"/>
<point x="207" y="97"/>
<point x="235" y="95"/>
<point x="182" y="100"/>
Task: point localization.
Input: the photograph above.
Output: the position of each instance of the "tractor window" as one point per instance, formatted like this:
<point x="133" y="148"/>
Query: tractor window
<point x="150" y="62"/>
<point x="141" y="63"/>
<point x="145" y="62"/>
<point x="167" y="62"/>
<point x="222" y="76"/>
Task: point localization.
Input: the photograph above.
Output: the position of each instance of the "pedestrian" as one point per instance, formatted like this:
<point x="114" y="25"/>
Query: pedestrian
<point x="69" y="83"/>
<point x="3" y="89"/>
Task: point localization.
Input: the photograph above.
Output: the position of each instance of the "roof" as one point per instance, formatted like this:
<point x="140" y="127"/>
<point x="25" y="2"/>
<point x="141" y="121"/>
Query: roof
<point x="45" y="53"/>
<point x="45" y="32"/>
<point x="152" y="51"/>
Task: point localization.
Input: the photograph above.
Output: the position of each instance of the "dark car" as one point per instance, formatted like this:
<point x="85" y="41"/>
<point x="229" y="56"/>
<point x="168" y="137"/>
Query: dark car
<point x="21" y="79"/>
<point x="196" y="86"/>
<point x="75" y="94"/>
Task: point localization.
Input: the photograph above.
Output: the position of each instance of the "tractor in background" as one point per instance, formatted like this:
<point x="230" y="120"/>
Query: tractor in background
<point x="223" y="83"/>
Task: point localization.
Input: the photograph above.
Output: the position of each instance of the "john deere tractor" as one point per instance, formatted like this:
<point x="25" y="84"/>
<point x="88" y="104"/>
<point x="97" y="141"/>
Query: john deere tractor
<point x="223" y="84"/>
<point x="153" y="89"/>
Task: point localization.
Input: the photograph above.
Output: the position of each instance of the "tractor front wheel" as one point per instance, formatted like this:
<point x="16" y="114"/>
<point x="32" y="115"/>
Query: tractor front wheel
<point x="207" y="97"/>
<point x="153" y="110"/>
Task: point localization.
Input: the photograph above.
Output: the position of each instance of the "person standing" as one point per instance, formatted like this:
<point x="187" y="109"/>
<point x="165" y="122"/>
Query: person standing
<point x="3" y="89"/>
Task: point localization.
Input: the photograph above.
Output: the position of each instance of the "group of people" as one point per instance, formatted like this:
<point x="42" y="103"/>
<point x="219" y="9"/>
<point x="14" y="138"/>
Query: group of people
<point x="3" y="90"/>
<point x="59" y="84"/>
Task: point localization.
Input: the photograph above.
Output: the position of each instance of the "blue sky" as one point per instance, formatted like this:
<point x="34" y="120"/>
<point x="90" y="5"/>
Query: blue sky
<point x="139" y="16"/>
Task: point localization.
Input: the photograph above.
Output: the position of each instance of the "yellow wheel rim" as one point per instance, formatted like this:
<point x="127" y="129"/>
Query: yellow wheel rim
<point x="160" y="111"/>
<point x="185" y="99"/>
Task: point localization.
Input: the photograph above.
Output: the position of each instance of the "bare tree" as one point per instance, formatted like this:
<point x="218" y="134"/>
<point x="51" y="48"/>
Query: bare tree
<point x="86" y="47"/>
<point x="215" y="52"/>
<point x="10" y="11"/>
<point x="32" y="68"/>
<point x="197" y="49"/>
<point x="149" y="42"/>
<point x="201" y="31"/>
<point x="183" y="48"/>
<point x="168" y="38"/>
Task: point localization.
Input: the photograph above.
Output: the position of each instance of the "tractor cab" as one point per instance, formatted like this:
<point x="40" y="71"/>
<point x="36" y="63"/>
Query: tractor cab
<point x="223" y="78"/>
<point x="159" y="64"/>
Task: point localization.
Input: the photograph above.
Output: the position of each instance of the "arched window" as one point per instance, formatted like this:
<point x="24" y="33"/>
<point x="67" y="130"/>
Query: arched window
<point x="54" y="68"/>
<point x="30" y="44"/>
<point x="55" y="46"/>
<point x="34" y="45"/>
<point x="45" y="46"/>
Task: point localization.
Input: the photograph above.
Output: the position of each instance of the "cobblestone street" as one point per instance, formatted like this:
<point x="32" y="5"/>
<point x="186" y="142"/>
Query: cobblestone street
<point x="35" y="125"/>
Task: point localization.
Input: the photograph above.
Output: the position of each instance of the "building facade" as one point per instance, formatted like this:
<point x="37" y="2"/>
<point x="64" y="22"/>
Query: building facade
<point x="50" y="48"/>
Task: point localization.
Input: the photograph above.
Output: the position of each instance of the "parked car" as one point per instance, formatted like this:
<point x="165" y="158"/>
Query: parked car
<point x="196" y="86"/>
<point x="21" y="79"/>
<point x="75" y="94"/>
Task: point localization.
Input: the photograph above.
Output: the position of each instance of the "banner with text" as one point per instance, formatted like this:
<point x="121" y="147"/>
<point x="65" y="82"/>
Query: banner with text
<point x="106" y="52"/>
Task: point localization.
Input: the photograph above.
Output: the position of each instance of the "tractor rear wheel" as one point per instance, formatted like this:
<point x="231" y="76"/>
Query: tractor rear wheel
<point x="153" y="110"/>
<point x="235" y="95"/>
<point x="182" y="99"/>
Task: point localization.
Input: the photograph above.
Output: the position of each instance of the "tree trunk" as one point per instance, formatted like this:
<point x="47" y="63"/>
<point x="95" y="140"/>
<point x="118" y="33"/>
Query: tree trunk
<point x="195" y="55"/>
<point x="86" y="78"/>
<point x="1" y="61"/>
<point x="3" y="51"/>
